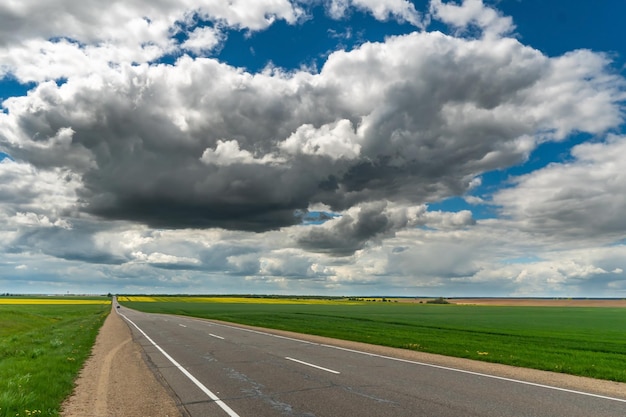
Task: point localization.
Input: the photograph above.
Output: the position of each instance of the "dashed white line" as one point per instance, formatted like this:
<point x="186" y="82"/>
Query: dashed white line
<point x="516" y="381"/>
<point x="216" y="336"/>
<point x="192" y="378"/>
<point x="313" y="366"/>
<point x="181" y="325"/>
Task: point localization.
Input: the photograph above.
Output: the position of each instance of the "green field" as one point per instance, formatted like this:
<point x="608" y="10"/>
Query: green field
<point x="580" y="341"/>
<point x="42" y="349"/>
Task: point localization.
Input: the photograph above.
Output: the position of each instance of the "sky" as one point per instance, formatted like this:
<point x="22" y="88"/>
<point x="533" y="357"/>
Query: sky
<point x="313" y="147"/>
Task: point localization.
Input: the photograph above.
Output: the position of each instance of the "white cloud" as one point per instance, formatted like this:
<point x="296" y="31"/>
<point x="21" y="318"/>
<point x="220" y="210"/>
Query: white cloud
<point x="335" y="140"/>
<point x="135" y="22"/>
<point x="228" y="153"/>
<point x="582" y="199"/>
<point x="136" y="168"/>
<point x="39" y="220"/>
<point x="413" y="119"/>
<point x="571" y="272"/>
<point x="203" y="39"/>
<point x="32" y="196"/>
<point x="62" y="39"/>
<point x="337" y="8"/>
<point x="596" y="107"/>
<point x="401" y="10"/>
<point x="369" y="224"/>
<point x="385" y="9"/>
<point x="472" y="12"/>
<point x="162" y="258"/>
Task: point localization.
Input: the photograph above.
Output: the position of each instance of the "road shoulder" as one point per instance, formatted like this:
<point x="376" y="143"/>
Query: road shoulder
<point x="116" y="381"/>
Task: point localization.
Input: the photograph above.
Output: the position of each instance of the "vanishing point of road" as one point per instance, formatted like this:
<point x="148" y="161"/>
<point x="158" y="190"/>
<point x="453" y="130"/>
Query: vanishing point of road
<point x="221" y="370"/>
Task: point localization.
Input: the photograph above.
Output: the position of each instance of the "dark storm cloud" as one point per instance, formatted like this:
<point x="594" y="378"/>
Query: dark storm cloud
<point x="217" y="259"/>
<point x="200" y="144"/>
<point x="349" y="234"/>
<point x="374" y="222"/>
<point x="64" y="244"/>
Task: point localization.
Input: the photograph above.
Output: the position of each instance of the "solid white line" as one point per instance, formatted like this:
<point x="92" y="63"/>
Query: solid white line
<point x="501" y="378"/>
<point x="214" y="335"/>
<point x="193" y="379"/>
<point x="311" y="365"/>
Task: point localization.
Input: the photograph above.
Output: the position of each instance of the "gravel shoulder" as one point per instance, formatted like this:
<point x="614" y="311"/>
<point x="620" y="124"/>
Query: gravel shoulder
<point x="118" y="380"/>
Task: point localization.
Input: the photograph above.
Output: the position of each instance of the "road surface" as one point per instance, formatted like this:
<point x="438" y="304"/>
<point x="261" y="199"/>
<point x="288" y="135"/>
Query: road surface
<point x="221" y="370"/>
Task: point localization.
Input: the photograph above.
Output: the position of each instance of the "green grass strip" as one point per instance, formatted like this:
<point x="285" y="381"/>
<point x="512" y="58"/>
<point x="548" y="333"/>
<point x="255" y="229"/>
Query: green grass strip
<point x="42" y="349"/>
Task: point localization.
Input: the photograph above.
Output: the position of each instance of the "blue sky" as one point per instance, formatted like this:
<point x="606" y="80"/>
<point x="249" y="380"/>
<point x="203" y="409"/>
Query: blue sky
<point x="345" y="147"/>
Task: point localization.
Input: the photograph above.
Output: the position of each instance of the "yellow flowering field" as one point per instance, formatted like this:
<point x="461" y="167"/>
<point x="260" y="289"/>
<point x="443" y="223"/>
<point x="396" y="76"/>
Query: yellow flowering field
<point x="233" y="300"/>
<point x="137" y="298"/>
<point x="51" y="300"/>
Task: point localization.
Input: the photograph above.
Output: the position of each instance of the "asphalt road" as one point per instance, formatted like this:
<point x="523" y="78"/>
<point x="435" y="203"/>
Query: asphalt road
<point x="220" y="370"/>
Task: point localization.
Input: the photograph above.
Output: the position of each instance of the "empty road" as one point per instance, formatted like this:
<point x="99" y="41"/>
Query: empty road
<point x="220" y="370"/>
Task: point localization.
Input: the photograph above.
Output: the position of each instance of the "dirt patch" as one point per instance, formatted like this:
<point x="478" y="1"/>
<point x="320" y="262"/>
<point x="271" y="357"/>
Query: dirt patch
<point x="116" y="380"/>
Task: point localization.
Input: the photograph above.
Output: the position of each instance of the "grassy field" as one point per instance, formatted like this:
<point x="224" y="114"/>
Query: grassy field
<point x="579" y="341"/>
<point x="42" y="348"/>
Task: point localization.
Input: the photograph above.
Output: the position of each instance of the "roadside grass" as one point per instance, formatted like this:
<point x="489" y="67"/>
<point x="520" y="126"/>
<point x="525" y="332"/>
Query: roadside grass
<point x="579" y="341"/>
<point x="42" y="349"/>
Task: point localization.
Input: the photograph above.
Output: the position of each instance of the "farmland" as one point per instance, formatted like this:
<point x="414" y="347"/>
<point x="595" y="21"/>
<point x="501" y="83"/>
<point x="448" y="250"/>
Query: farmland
<point x="43" y="344"/>
<point x="586" y="341"/>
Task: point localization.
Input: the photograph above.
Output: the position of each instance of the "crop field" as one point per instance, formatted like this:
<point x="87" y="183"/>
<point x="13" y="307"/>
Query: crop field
<point x="53" y="301"/>
<point x="586" y="341"/>
<point x="42" y="348"/>
<point x="238" y="300"/>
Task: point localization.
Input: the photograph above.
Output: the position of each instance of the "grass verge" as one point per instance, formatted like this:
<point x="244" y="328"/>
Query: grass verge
<point x="42" y="349"/>
<point x="579" y="341"/>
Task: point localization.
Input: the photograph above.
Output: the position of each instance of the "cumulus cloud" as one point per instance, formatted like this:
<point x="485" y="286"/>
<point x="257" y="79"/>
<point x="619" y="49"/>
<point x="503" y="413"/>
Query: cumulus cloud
<point x="203" y="39"/>
<point x="372" y="222"/>
<point x="580" y="199"/>
<point x="162" y="259"/>
<point x="402" y="10"/>
<point x="413" y="119"/>
<point x="229" y="153"/>
<point x="40" y="220"/>
<point x="574" y="272"/>
<point x="335" y="140"/>
<point x="137" y="164"/>
<point x="405" y="126"/>
<point x="61" y="39"/>
<point x="32" y="196"/>
<point x="350" y="232"/>
<point x="472" y="12"/>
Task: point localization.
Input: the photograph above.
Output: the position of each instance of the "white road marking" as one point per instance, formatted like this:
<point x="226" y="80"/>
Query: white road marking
<point x="192" y="378"/>
<point x="501" y="378"/>
<point x="216" y="336"/>
<point x="181" y="325"/>
<point x="311" y="365"/>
